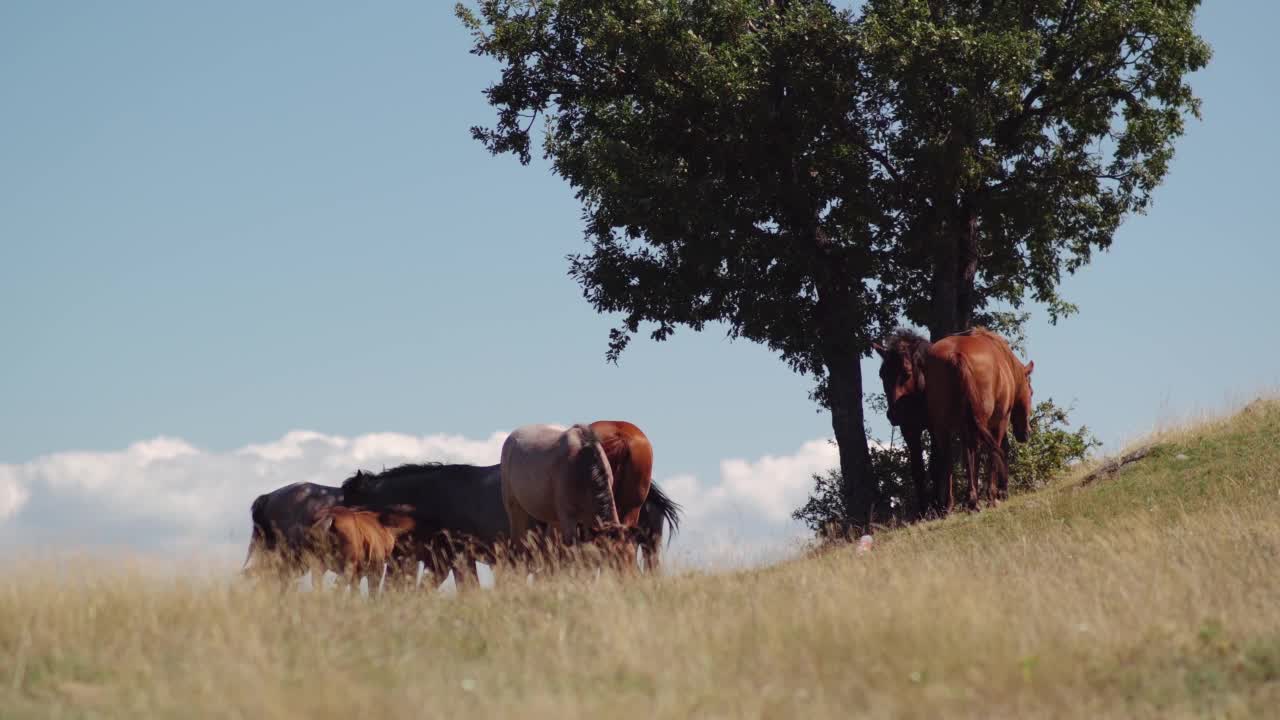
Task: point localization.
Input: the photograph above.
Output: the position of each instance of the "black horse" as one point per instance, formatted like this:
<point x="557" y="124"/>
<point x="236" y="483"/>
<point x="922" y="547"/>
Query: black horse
<point x="457" y="510"/>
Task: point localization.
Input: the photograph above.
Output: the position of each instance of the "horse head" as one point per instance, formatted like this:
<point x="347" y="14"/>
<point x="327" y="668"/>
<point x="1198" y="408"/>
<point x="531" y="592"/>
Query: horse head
<point x="1020" y="416"/>
<point x="902" y="357"/>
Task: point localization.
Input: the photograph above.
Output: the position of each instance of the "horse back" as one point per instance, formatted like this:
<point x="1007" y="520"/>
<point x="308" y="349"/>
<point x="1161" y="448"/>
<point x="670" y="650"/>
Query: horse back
<point x="533" y="456"/>
<point x="630" y="457"/>
<point x="290" y="512"/>
<point x="969" y="375"/>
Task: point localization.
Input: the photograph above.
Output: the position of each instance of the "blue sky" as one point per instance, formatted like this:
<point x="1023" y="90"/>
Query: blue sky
<point x="222" y="222"/>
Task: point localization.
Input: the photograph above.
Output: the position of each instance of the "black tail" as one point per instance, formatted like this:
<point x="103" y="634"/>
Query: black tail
<point x="592" y="468"/>
<point x="658" y="508"/>
<point x="257" y="512"/>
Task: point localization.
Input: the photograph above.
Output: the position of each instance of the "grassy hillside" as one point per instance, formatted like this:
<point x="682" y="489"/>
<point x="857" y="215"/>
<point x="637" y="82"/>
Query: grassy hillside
<point x="1152" y="593"/>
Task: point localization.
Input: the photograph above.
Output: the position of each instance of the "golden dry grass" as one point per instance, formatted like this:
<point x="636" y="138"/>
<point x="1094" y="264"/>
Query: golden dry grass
<point x="1150" y="594"/>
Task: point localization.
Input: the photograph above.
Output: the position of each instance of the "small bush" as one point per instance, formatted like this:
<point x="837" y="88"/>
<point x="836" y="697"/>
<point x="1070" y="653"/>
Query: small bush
<point x="1052" y="448"/>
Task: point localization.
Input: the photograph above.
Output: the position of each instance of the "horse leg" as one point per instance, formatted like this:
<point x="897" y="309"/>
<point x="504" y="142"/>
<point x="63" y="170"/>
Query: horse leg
<point x="993" y="479"/>
<point x="433" y="570"/>
<point x="1003" y="489"/>
<point x="317" y="568"/>
<point x="916" y="455"/>
<point x="971" y="468"/>
<point x="940" y="468"/>
<point x="401" y="573"/>
<point x="351" y="574"/>
<point x="649" y="550"/>
<point x="521" y="522"/>
<point x="464" y="571"/>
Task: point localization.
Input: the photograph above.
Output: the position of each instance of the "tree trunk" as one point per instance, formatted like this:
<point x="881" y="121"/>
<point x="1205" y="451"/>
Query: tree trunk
<point x="841" y="356"/>
<point x="955" y="270"/>
<point x="844" y="377"/>
<point x="943" y="318"/>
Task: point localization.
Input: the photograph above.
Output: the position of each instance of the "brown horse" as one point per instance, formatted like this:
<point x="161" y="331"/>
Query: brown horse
<point x="641" y="504"/>
<point x="903" y="357"/>
<point x="359" y="541"/>
<point x="906" y="358"/>
<point x="975" y="386"/>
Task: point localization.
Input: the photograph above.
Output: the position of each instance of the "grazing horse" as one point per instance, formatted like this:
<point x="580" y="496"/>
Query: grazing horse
<point x="903" y="357"/>
<point x="458" y="513"/>
<point x="558" y="477"/>
<point x="358" y="541"/>
<point x="631" y="461"/>
<point x="976" y="386"/>
<point x="640" y="503"/>
<point x="282" y="520"/>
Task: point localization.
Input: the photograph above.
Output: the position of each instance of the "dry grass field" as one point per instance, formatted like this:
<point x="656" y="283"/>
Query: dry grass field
<point x="1151" y="593"/>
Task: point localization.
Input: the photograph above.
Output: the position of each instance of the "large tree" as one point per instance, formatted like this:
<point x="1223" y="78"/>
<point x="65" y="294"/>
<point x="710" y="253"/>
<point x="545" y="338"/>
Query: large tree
<point x="804" y="173"/>
<point x="719" y="156"/>
<point x="1019" y="134"/>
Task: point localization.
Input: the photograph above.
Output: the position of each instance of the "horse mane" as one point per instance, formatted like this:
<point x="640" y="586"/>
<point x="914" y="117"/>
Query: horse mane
<point x="909" y="344"/>
<point x="592" y="467"/>
<point x="364" y="481"/>
<point x="365" y="532"/>
<point x="662" y="508"/>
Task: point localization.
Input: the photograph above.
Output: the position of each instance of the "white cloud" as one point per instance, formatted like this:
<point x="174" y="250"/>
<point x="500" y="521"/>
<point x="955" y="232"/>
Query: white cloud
<point x="13" y="495"/>
<point x="169" y="496"/>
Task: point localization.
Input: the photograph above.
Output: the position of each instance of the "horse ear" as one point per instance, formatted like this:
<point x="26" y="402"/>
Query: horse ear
<point x="1030" y="366"/>
<point x="879" y="349"/>
<point x="323" y="524"/>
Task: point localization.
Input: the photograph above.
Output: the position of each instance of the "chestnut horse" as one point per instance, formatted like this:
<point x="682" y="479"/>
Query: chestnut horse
<point x="970" y="383"/>
<point x="358" y="541"/>
<point x="976" y="386"/>
<point x="641" y="504"/>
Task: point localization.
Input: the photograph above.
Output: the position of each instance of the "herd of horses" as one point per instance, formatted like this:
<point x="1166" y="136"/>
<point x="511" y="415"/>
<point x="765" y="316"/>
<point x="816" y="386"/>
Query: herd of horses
<point x="553" y="488"/>
<point x="969" y="383"/>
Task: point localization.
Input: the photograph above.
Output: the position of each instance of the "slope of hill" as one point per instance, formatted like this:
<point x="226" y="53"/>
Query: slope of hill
<point x="1151" y="592"/>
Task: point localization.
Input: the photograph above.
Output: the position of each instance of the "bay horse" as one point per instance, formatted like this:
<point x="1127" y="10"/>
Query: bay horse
<point x="980" y="405"/>
<point x="282" y="520"/>
<point x="358" y="541"/>
<point x="558" y="477"/>
<point x="640" y="503"/>
<point x="976" y="386"/>
<point x="903" y="357"/>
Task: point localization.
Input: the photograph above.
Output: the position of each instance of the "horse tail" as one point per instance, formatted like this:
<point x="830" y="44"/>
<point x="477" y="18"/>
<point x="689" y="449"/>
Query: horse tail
<point x="592" y="470"/>
<point x="970" y="387"/>
<point x="258" y="538"/>
<point x="659" y="508"/>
